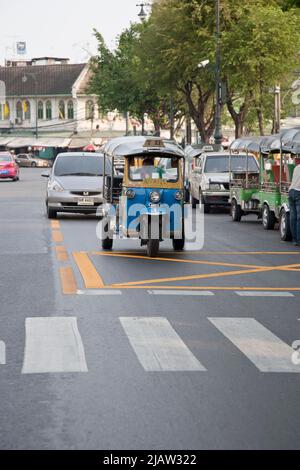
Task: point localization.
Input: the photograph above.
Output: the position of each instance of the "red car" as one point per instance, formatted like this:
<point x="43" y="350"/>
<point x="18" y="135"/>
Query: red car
<point x="8" y="167"/>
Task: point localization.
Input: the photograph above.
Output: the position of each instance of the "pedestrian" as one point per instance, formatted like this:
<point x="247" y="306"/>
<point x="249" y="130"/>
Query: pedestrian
<point x="294" y="203"/>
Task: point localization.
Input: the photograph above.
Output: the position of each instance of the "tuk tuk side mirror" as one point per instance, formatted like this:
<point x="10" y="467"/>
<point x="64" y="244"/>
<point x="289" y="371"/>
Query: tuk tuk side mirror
<point x="46" y="174"/>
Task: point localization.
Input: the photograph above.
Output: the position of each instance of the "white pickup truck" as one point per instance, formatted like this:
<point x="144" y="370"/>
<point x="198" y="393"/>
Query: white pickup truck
<point x="209" y="181"/>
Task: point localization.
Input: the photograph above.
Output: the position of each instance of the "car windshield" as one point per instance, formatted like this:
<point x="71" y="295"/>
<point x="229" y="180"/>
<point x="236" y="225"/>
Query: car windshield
<point x="220" y="164"/>
<point x="80" y="166"/>
<point x="152" y="169"/>
<point x="5" y="158"/>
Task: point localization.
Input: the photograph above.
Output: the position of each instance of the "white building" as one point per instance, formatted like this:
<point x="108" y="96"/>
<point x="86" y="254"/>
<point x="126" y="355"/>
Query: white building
<point x="52" y="96"/>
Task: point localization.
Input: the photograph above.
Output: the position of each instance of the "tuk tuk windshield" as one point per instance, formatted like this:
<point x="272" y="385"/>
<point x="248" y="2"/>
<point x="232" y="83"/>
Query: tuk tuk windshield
<point x="154" y="169"/>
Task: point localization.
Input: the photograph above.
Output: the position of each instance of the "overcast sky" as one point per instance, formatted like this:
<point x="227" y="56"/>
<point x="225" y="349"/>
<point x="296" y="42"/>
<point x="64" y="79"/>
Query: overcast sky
<point x="62" y="28"/>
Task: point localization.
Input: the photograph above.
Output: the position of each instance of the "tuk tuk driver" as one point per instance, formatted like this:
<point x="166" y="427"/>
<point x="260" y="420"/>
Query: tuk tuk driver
<point x="149" y="168"/>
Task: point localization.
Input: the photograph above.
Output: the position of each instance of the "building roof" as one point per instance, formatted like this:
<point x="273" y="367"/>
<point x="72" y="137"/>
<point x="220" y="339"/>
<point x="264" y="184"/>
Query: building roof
<point x="50" y="79"/>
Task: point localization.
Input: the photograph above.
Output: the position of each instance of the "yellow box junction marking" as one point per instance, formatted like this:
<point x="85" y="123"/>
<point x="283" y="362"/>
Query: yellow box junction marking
<point x="91" y="278"/>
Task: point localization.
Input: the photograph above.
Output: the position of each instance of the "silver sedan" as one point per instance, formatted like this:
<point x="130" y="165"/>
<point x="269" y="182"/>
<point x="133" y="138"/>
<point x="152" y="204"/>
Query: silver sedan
<point x="75" y="184"/>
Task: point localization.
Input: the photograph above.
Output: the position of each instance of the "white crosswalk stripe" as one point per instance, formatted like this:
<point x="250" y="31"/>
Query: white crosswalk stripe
<point x="181" y="293"/>
<point x="53" y="344"/>
<point x="264" y="294"/>
<point x="265" y="350"/>
<point x="158" y="346"/>
<point x="2" y="353"/>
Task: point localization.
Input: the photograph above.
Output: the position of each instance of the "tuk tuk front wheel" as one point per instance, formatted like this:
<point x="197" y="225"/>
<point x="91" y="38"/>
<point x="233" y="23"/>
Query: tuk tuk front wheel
<point x="152" y="248"/>
<point x="268" y="218"/>
<point x="107" y="242"/>
<point x="236" y="211"/>
<point x="178" y="244"/>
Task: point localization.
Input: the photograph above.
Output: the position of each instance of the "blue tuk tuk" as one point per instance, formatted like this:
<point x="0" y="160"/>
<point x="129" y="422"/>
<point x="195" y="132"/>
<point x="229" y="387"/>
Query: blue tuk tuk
<point x="145" y="200"/>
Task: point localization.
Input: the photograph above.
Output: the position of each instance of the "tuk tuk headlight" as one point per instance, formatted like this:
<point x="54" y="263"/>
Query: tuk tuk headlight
<point x="130" y="194"/>
<point x="155" y="197"/>
<point x="179" y="195"/>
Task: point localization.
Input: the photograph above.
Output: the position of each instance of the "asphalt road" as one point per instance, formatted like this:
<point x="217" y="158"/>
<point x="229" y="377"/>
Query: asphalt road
<point x="116" y="351"/>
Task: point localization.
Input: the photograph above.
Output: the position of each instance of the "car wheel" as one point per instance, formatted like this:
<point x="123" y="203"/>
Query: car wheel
<point x="284" y="226"/>
<point x="205" y="206"/>
<point x="268" y="218"/>
<point x="236" y="211"/>
<point x="33" y="165"/>
<point x="51" y="213"/>
<point x="194" y="202"/>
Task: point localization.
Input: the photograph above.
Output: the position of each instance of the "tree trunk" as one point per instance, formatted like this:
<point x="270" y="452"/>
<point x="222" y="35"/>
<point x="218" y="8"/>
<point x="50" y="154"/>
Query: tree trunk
<point x="203" y="117"/>
<point x="260" y="118"/>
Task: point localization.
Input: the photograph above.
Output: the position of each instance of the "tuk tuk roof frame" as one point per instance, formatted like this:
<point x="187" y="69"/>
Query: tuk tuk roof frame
<point x="129" y="146"/>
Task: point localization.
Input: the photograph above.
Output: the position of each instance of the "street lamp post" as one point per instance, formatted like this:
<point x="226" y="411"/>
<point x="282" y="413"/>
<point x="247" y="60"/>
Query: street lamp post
<point x="142" y="14"/>
<point x="24" y="80"/>
<point x="218" y="122"/>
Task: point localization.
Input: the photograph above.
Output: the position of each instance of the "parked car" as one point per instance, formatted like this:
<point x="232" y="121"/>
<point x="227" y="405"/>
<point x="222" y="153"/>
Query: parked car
<point x="26" y="160"/>
<point x="75" y="183"/>
<point x="209" y="181"/>
<point x="8" y="167"/>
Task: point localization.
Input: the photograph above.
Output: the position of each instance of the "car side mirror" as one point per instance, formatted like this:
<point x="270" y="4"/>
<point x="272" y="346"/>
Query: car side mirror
<point x="46" y="174"/>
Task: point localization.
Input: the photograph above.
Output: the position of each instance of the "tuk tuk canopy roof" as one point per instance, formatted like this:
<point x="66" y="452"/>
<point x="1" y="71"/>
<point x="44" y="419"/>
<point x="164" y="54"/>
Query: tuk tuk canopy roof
<point x="130" y="146"/>
<point x="195" y="150"/>
<point x="250" y="144"/>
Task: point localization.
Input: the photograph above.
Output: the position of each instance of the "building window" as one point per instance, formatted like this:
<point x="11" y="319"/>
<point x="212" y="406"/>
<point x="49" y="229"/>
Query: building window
<point x="89" y="110"/>
<point x="70" y="110"/>
<point x="62" y="110"/>
<point x="48" y="110"/>
<point x="19" y="111"/>
<point x="27" y="110"/>
<point x="40" y="110"/>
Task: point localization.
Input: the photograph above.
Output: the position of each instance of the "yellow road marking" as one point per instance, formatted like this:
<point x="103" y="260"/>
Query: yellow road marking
<point x="208" y="263"/>
<point x="91" y="277"/>
<point x="61" y="253"/>
<point x="57" y="236"/>
<point x="68" y="281"/>
<point x="190" y="252"/>
<point x="207" y="276"/>
<point x="55" y="224"/>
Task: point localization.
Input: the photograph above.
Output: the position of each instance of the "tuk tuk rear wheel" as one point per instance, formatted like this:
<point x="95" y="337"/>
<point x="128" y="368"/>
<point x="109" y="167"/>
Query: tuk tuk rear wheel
<point x="107" y="243"/>
<point x="284" y="226"/>
<point x="268" y="218"/>
<point x="152" y="248"/>
<point x="236" y="211"/>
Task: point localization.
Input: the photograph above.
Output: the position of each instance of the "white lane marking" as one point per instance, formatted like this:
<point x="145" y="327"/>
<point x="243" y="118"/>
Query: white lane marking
<point x="158" y="346"/>
<point x="181" y="292"/>
<point x="2" y="353"/>
<point x="264" y="294"/>
<point x="267" y="352"/>
<point x="99" y="292"/>
<point x="53" y="344"/>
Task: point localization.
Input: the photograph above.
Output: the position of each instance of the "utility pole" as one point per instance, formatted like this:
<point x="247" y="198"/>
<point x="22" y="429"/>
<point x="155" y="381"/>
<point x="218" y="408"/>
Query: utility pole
<point x="218" y="123"/>
<point x="277" y="109"/>
<point x="172" y="130"/>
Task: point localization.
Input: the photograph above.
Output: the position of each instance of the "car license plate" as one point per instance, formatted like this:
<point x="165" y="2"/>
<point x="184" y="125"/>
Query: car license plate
<point x="4" y="172"/>
<point x="85" y="201"/>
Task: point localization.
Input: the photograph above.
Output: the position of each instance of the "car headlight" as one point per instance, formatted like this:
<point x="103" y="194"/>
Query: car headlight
<point x="155" y="196"/>
<point x="178" y="195"/>
<point x="55" y="186"/>
<point x="215" y="186"/>
<point x="130" y="194"/>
